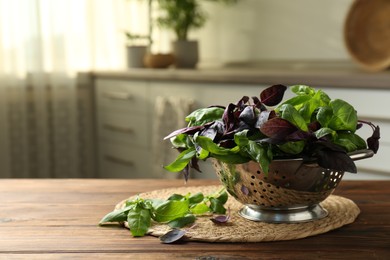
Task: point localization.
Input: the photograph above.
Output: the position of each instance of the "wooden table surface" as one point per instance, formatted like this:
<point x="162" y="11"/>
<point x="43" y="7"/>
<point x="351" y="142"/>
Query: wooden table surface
<point x="46" y="219"/>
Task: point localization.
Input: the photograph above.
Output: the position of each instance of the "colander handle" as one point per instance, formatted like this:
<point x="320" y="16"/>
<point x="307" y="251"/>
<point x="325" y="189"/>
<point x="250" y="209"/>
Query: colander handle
<point x="356" y="155"/>
<point x="361" y="154"/>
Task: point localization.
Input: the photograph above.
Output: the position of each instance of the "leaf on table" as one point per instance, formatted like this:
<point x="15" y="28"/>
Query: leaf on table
<point x="172" y="236"/>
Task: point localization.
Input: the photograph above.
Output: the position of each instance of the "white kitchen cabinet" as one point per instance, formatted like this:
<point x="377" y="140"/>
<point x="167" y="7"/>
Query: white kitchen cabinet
<point x="124" y="118"/>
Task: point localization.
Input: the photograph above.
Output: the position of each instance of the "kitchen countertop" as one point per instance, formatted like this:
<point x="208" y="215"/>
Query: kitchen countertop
<point x="315" y="74"/>
<point x="57" y="218"/>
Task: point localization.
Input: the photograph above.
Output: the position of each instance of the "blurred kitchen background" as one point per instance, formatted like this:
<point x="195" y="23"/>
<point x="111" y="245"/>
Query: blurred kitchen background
<point x="75" y="103"/>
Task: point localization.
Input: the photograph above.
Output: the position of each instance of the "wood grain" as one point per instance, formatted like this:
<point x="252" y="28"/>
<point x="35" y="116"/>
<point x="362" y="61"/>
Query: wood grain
<point x="46" y="219"/>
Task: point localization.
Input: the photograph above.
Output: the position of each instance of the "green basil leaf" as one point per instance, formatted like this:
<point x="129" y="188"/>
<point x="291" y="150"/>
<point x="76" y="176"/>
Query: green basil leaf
<point x="290" y="114"/>
<point x="324" y="116"/>
<point x="259" y="154"/>
<point x="202" y="153"/>
<point x="350" y="141"/>
<point x="170" y="210"/>
<point x="182" y="221"/>
<point x="119" y="215"/>
<point x="176" y="197"/>
<point x="324" y="132"/>
<point x="181" y="161"/>
<point x="232" y="158"/>
<point x="344" y="116"/>
<point x="179" y="141"/>
<point x="292" y="147"/>
<point x="223" y="197"/>
<point x="139" y="221"/>
<point x="196" y="198"/>
<point x="200" y="208"/>
<point x="241" y="138"/>
<point x="216" y="206"/>
<point x="296" y="102"/>
<point x="208" y="144"/>
<point x="303" y="90"/>
<point x="204" y="115"/>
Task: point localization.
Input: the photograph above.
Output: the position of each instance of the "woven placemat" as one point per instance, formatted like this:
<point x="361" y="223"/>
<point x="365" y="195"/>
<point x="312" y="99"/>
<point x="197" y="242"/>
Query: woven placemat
<point x="341" y="211"/>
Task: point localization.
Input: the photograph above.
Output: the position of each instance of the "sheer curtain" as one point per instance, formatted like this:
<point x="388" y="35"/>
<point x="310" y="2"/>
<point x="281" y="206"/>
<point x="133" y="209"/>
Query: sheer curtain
<point x="45" y="114"/>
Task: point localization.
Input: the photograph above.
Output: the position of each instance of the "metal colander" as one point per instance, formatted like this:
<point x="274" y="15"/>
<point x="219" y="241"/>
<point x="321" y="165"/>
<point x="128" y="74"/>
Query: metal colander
<point x="290" y="192"/>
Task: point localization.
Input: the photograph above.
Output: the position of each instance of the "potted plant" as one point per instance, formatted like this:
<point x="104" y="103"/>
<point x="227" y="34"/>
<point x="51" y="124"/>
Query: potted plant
<point x="181" y="16"/>
<point x="279" y="160"/>
<point x="137" y="47"/>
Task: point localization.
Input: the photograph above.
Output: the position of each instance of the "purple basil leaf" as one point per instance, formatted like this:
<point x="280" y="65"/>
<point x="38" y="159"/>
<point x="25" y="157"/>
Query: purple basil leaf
<point x="248" y="115"/>
<point x="373" y="141"/>
<point x="300" y="135"/>
<point x="186" y="173"/>
<point x="221" y="218"/>
<point x="277" y="128"/>
<point x="185" y="130"/>
<point x="273" y="95"/>
<point x="209" y="132"/>
<point x="194" y="164"/>
<point x="262" y="118"/>
<point x="314" y="126"/>
<point x="335" y="160"/>
<point x="242" y="101"/>
<point x="244" y="190"/>
<point x="172" y="236"/>
<point x="228" y="117"/>
<point x="229" y="143"/>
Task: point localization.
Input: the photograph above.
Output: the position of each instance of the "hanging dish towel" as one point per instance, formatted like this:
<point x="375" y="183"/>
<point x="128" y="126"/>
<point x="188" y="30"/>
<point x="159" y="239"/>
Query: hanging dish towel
<point x="169" y="115"/>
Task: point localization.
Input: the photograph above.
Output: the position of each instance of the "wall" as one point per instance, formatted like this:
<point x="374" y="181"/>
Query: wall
<point x="256" y="30"/>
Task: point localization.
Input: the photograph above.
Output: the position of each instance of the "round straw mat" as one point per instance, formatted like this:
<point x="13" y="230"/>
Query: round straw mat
<point x="341" y="211"/>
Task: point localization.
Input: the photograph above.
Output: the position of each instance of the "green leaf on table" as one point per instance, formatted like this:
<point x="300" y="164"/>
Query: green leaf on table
<point x="216" y="206"/>
<point x="182" y="221"/>
<point x="199" y="208"/>
<point x="196" y="198"/>
<point x="119" y="215"/>
<point x="176" y="197"/>
<point x="139" y="220"/>
<point x="222" y="197"/>
<point x="170" y="210"/>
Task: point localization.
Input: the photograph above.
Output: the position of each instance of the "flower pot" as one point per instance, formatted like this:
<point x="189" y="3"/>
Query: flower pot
<point x="186" y="54"/>
<point x="290" y="192"/>
<point x="158" y="61"/>
<point x="135" y="56"/>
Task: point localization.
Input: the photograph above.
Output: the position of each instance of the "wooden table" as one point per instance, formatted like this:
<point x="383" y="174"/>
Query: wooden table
<point x="41" y="219"/>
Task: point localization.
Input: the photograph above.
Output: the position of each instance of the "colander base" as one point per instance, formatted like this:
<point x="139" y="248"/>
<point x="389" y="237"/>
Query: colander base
<point x="306" y="214"/>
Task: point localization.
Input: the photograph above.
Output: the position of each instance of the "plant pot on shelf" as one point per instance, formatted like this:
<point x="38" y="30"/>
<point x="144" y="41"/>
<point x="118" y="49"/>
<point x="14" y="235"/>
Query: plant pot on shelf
<point x="186" y="54"/>
<point x="158" y="61"/>
<point x="289" y="193"/>
<point x="135" y="56"/>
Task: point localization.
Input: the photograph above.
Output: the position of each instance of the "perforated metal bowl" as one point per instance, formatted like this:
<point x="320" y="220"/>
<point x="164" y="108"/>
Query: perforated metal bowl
<point x="290" y="192"/>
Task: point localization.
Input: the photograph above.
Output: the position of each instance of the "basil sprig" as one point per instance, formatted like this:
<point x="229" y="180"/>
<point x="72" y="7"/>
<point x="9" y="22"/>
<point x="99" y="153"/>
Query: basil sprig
<point x="177" y="211"/>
